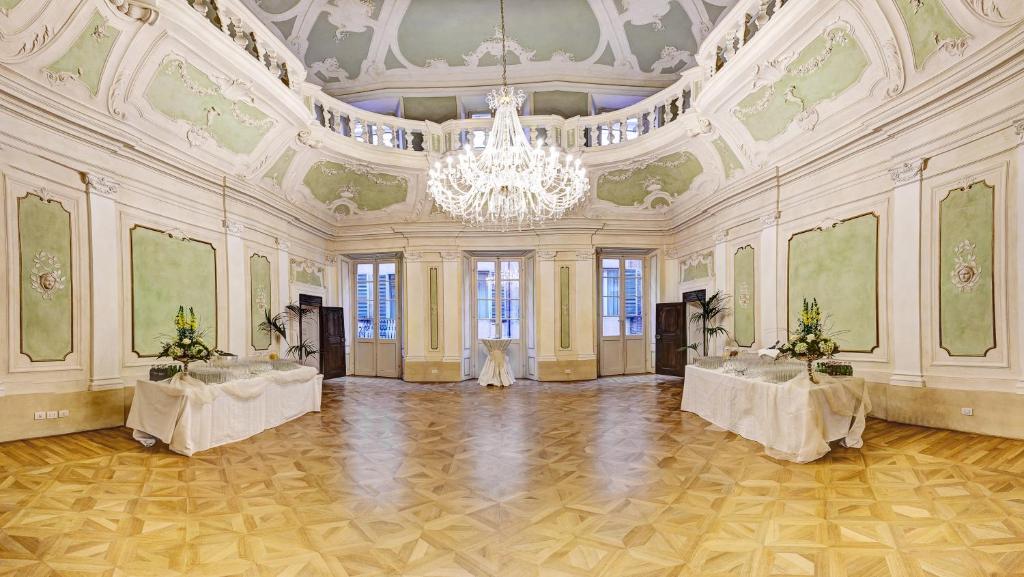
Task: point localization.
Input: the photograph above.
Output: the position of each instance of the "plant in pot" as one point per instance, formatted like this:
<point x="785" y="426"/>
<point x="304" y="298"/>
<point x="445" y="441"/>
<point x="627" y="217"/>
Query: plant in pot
<point x="709" y="318"/>
<point x="810" y="341"/>
<point x="277" y="327"/>
<point x="188" y="345"/>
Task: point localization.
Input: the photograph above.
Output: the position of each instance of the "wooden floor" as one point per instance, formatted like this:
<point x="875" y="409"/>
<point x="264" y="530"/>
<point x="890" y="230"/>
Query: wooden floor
<point x="595" y="479"/>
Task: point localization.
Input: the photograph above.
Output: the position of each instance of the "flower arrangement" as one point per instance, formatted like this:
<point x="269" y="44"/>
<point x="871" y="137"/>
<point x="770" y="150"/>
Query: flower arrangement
<point x="810" y="343"/>
<point x="187" y="345"/>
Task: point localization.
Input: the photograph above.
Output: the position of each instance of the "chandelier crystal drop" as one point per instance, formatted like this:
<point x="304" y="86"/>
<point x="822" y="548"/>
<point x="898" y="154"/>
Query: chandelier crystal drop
<point x="510" y="183"/>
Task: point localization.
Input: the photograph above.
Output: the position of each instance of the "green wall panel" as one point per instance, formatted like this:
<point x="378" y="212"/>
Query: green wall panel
<point x="672" y="175"/>
<point x="730" y="162"/>
<point x="260" y="299"/>
<point x="277" y="171"/>
<point x="433" y="108"/>
<point x="967" y="323"/>
<point x="564" y="300"/>
<point x="181" y="91"/>
<point x="744" y="296"/>
<point x="700" y="268"/>
<point x="167" y="273"/>
<point x="823" y="70"/>
<point x="47" y="317"/>
<point x="86" y="58"/>
<point x="350" y="189"/>
<point x="8" y="5"/>
<point x="929" y="25"/>
<point x="839" y="267"/>
<point x="435" y="321"/>
<point x="306" y="272"/>
<point x="561" y="103"/>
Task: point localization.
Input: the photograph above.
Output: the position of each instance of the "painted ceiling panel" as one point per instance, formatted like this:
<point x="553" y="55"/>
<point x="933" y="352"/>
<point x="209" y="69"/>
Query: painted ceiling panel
<point x="394" y="44"/>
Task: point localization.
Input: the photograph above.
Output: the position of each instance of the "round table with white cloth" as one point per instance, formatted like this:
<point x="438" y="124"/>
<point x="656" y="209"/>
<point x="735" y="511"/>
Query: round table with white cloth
<point x="496" y="370"/>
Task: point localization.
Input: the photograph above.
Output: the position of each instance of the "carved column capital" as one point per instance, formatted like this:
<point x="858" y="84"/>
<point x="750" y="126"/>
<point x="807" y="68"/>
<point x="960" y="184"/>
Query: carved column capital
<point x="143" y="10"/>
<point x="284" y="244"/>
<point x="721" y="236"/>
<point x="102" y="185"/>
<point x="546" y="254"/>
<point x="413" y="256"/>
<point x="451" y="256"/>
<point x="585" y="254"/>
<point x="907" y="172"/>
<point x="234" y="227"/>
<point x="331" y="260"/>
<point x="770" y="219"/>
<point x="1018" y="129"/>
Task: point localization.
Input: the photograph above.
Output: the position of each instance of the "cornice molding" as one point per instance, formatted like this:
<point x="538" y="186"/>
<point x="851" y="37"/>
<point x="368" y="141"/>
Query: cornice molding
<point x="908" y="171"/>
<point x="145" y="11"/>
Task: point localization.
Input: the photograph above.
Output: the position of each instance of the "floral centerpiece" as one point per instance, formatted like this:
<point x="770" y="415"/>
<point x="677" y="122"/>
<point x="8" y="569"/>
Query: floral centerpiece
<point x="810" y="343"/>
<point x="187" y="345"/>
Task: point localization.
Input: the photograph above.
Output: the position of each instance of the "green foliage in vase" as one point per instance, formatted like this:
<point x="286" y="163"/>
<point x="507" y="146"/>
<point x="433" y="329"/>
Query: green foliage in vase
<point x="708" y="318"/>
<point x="188" y="344"/>
<point x="811" y="341"/>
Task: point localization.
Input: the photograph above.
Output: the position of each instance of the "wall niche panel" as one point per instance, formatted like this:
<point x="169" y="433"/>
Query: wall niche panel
<point x="260" y="293"/>
<point x="744" y="296"/>
<point x="967" y="319"/>
<point x="168" y="272"/>
<point x="46" y="284"/>
<point x="838" y="265"/>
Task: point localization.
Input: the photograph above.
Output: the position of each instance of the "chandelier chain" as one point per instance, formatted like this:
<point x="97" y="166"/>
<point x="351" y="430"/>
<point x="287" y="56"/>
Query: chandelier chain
<point x="504" y="50"/>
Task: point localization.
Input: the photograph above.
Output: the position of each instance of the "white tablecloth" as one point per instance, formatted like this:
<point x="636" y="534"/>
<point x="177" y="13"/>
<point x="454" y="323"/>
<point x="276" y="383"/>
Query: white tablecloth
<point x="191" y="416"/>
<point x="794" y="420"/>
<point x="496" y="370"/>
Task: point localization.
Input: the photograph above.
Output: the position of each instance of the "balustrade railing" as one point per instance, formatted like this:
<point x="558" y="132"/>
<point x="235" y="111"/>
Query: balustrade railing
<point x="745" y="20"/>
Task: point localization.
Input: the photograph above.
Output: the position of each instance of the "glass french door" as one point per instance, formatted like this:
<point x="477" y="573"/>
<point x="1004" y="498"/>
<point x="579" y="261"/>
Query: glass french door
<point x="623" y="348"/>
<point x="377" y="347"/>
<point x="497" y="310"/>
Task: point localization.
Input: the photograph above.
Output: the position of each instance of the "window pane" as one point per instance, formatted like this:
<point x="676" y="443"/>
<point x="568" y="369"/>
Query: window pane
<point x="485" y="309"/>
<point x="510" y="270"/>
<point x="634" y="293"/>
<point x="610" y="326"/>
<point x="510" y="328"/>
<point x="485" y="328"/>
<point x="364" y="301"/>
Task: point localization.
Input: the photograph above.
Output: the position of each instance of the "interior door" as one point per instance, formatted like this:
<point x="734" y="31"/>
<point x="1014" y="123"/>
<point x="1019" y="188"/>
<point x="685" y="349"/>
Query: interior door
<point x="332" y="342"/>
<point x="670" y="339"/>
<point x="376" y="352"/>
<point x="622" y="347"/>
<point x="309" y="327"/>
<point x="497" y="313"/>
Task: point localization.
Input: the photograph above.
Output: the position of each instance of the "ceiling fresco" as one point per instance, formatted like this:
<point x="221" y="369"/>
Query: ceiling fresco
<point x="357" y="45"/>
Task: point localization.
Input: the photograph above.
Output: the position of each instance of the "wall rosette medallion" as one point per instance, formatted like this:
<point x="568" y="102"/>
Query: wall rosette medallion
<point x="47" y="275"/>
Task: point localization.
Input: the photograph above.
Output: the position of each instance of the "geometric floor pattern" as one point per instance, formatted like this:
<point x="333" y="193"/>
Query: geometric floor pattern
<point x="607" y="478"/>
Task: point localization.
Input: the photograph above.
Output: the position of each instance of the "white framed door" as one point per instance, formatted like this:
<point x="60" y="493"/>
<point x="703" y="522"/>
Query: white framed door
<point x="377" y="347"/>
<point x="622" y="319"/>
<point x="497" y="311"/>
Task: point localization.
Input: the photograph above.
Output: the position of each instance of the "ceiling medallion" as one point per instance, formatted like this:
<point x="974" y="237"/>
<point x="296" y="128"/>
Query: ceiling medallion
<point x="511" y="183"/>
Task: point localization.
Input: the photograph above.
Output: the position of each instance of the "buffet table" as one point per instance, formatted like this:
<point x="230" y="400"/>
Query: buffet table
<point x="794" y="420"/>
<point x="496" y="370"/>
<point x="192" y="416"/>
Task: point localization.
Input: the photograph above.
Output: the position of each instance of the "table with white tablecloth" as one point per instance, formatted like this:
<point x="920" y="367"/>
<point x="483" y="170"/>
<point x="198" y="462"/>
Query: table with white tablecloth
<point x="496" y="370"/>
<point x="794" y="420"/>
<point x="192" y="416"/>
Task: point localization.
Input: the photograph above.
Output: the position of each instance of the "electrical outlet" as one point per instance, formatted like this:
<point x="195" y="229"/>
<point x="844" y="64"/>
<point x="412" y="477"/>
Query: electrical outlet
<point x="63" y="413"/>
<point x="967" y="411"/>
<point x="51" y="414"/>
<point x="568" y="371"/>
<point x="40" y="415"/>
<point x="433" y="371"/>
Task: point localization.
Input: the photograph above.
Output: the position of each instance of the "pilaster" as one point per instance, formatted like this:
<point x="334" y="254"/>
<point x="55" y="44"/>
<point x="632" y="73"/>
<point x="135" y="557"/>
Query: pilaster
<point x="1019" y="207"/>
<point x="105" y="276"/>
<point x="772" y="328"/>
<point x="238" y="322"/>
<point x="451" y="306"/>
<point x="721" y="279"/>
<point x="906" y="280"/>
<point x="284" y="267"/>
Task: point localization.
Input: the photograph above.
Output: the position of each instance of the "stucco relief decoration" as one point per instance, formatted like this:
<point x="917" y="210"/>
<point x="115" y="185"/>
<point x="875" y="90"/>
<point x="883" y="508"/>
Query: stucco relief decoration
<point x="894" y="68"/>
<point x="38" y="40"/>
<point x="644" y="12"/>
<point x="229" y="88"/>
<point x="492" y="46"/>
<point x="966" y="272"/>
<point x="261" y="299"/>
<point x="743" y="298"/>
<point x="1000" y="11"/>
<point x="47" y="276"/>
<point x="328" y="68"/>
<point x="670" y="58"/>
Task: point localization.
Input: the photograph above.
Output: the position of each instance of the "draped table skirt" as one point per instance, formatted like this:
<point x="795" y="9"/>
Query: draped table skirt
<point x="192" y="416"/>
<point x="496" y="370"/>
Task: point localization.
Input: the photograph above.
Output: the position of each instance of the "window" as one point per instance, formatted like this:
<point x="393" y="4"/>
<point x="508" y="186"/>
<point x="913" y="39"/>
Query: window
<point x="498" y="299"/>
<point x="610" y="296"/>
<point x="387" y="298"/>
<point x="364" y="301"/>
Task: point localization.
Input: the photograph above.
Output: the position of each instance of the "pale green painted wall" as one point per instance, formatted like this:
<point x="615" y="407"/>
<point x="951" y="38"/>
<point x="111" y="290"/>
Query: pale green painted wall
<point x="699" y="270"/>
<point x="672" y="174"/>
<point x="260" y="299"/>
<point x="768" y="111"/>
<point x="9" y="4"/>
<point x="435" y="306"/>
<point x="646" y="41"/>
<point x="351" y="49"/>
<point x="429" y="30"/>
<point x="561" y="103"/>
<point x="730" y="162"/>
<point x="967" y="321"/>
<point x="168" y="273"/>
<point x="744" y="296"/>
<point x="280" y="167"/>
<point x="44" y="238"/>
<point x="564" y="307"/>
<point x="181" y="91"/>
<point x="87" y="57"/>
<point x="839" y="267"/>
<point x="928" y="25"/>
<point x="433" y="108"/>
<point x="300" y="273"/>
<point x="331" y="182"/>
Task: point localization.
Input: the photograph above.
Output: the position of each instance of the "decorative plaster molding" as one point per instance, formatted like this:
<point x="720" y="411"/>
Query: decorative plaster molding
<point x="331" y="260"/>
<point x="587" y="254"/>
<point x="283" y="245"/>
<point x="178" y="234"/>
<point x="101" y="185"/>
<point x="413" y="256"/>
<point x="142" y="10"/>
<point x="770" y="219"/>
<point x="546" y="255"/>
<point x="234" y="227"/>
<point x="894" y="68"/>
<point x="40" y="39"/>
<point x="1018" y="128"/>
<point x="908" y="171"/>
<point x="449" y="256"/>
<point x="828" y="223"/>
<point x="305" y="137"/>
<point x="721" y="236"/>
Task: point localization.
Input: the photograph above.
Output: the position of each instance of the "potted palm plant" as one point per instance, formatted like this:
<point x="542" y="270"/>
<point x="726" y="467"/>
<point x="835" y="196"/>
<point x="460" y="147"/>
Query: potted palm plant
<point x="277" y="327"/>
<point x="709" y="317"/>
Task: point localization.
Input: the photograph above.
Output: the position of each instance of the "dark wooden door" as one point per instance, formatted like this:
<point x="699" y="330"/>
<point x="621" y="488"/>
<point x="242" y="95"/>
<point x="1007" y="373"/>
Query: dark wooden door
<point x="332" y="342"/>
<point x="670" y="339"/>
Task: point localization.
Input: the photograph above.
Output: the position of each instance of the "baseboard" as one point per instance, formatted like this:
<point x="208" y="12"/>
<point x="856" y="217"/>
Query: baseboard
<point x="88" y="410"/>
<point x="993" y="413"/>
<point x="567" y="370"/>
<point x="432" y="371"/>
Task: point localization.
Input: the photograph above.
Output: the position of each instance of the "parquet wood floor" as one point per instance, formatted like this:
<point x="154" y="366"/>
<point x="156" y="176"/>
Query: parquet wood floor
<point x="557" y="480"/>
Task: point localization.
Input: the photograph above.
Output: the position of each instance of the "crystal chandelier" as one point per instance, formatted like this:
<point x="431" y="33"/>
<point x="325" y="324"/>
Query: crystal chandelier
<point x="510" y="184"/>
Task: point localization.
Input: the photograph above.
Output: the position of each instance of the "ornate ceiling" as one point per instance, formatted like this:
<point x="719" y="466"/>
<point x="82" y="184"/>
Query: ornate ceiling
<point x="354" y="46"/>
